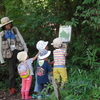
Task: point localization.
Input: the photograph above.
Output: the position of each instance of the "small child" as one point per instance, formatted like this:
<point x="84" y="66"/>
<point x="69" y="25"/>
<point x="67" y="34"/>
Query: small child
<point x="59" y="68"/>
<point x="43" y="69"/>
<point x="25" y="71"/>
<point x="40" y="45"/>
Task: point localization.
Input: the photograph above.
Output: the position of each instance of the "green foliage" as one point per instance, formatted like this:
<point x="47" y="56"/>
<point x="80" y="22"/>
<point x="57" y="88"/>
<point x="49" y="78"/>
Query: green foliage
<point x="85" y="55"/>
<point x="81" y="85"/>
<point x="40" y="19"/>
<point x="37" y="19"/>
<point x="4" y="85"/>
<point x="88" y="1"/>
<point x="84" y="47"/>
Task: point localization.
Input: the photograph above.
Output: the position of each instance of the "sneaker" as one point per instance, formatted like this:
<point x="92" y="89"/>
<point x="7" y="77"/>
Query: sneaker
<point x="34" y="96"/>
<point x="39" y="97"/>
<point x="47" y="96"/>
<point x="12" y="91"/>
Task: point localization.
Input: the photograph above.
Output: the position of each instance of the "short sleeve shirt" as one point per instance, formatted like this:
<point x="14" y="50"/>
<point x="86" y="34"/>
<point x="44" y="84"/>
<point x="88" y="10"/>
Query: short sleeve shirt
<point x="59" y="57"/>
<point x="42" y="72"/>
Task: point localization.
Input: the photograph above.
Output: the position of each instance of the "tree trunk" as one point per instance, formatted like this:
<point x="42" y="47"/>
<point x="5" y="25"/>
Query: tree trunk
<point x="2" y="8"/>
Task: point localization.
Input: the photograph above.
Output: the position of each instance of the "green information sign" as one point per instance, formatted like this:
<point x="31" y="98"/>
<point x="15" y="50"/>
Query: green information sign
<point x="65" y="33"/>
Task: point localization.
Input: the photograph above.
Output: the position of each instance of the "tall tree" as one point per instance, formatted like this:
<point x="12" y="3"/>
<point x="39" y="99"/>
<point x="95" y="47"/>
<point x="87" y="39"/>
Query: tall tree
<point x="2" y="8"/>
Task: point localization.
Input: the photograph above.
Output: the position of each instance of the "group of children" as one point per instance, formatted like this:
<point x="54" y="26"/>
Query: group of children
<point x="43" y="68"/>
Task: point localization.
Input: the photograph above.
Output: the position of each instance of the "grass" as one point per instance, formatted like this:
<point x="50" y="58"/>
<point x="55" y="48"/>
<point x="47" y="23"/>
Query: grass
<point x="82" y="84"/>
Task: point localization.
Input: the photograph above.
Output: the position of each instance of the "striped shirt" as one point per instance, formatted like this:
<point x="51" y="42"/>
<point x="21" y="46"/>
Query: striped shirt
<point x="59" y="57"/>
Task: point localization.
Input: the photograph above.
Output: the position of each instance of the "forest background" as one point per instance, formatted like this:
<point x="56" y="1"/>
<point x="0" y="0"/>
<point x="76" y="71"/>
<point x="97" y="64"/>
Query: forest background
<point x="40" y="20"/>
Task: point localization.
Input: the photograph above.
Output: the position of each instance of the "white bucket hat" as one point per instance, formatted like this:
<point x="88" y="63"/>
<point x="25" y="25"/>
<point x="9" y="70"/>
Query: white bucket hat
<point x="41" y="44"/>
<point x="21" y="56"/>
<point x="4" y="21"/>
<point x="57" y="42"/>
<point x="44" y="54"/>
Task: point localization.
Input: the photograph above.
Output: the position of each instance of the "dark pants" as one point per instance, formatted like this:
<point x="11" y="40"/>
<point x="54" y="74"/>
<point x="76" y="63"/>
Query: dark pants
<point x="12" y="68"/>
<point x="42" y="88"/>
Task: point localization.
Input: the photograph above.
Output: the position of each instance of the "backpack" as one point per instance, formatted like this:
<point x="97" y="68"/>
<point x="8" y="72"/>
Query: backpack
<point x="23" y="70"/>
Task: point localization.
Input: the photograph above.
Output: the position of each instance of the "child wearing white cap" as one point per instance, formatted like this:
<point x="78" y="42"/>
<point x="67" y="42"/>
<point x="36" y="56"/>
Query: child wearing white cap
<point x="43" y="69"/>
<point x="40" y="45"/>
<point x="25" y="71"/>
<point x="59" y="68"/>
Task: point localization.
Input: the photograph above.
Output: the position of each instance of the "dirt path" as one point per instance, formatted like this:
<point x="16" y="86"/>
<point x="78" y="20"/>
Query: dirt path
<point x="4" y="95"/>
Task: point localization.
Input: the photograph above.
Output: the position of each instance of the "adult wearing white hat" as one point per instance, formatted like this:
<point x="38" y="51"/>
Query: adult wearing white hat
<point x="11" y="42"/>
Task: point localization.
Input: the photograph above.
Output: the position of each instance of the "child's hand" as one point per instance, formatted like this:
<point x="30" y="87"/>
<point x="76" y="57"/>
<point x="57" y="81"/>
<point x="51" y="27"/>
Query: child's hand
<point x="46" y="59"/>
<point x="36" y="56"/>
<point x="51" y="63"/>
<point x="66" y="54"/>
<point x="51" y="73"/>
<point x="3" y="64"/>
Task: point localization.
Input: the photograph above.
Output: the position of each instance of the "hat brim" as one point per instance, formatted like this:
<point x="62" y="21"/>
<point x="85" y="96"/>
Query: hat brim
<point x="45" y="56"/>
<point x="46" y="43"/>
<point x="1" y="25"/>
<point x="39" y="47"/>
<point x="51" y="43"/>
